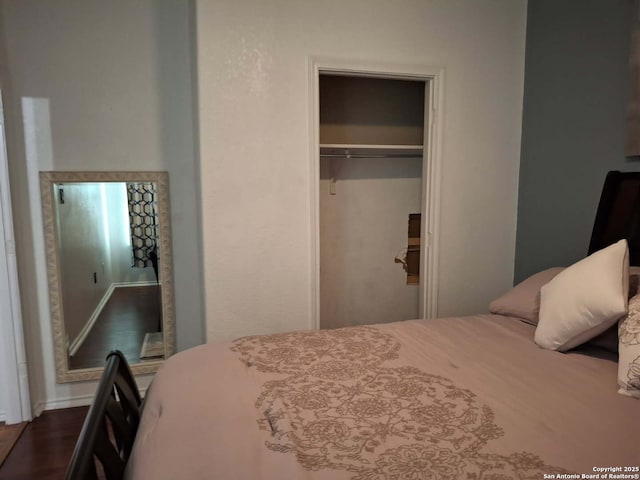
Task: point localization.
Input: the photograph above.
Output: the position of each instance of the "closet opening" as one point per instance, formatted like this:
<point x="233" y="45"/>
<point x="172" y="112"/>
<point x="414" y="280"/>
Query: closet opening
<point x="373" y="148"/>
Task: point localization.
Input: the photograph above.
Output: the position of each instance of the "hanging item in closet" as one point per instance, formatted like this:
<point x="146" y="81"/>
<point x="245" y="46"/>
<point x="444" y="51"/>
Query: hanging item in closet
<point x="410" y="258"/>
<point x="413" y="249"/>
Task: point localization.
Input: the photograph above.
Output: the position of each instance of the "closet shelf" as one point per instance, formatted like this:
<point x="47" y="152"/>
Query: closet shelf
<point x="342" y="150"/>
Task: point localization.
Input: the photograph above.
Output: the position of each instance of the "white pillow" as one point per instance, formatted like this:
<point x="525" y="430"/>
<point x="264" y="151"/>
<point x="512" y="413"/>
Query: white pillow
<point x="585" y="299"/>
<point x="629" y="350"/>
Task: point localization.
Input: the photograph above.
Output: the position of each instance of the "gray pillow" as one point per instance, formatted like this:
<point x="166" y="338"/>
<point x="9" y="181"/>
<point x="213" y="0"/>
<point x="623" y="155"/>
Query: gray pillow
<point x="523" y="300"/>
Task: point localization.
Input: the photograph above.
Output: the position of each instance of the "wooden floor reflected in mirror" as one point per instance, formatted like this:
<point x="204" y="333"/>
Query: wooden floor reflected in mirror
<point x="130" y="315"/>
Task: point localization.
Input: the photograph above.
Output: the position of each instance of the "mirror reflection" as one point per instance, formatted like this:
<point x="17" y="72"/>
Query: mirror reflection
<point x="109" y="279"/>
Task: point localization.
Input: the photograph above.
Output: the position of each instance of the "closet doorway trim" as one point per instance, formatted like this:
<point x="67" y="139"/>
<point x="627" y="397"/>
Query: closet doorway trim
<point x="433" y="76"/>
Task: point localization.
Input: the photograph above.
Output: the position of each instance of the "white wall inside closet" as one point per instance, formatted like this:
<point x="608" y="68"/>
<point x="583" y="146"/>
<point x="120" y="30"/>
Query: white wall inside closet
<point x="366" y="196"/>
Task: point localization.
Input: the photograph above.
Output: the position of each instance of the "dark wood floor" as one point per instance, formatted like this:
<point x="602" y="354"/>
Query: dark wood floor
<point x="130" y="313"/>
<point x="43" y="450"/>
<point x="45" y="447"/>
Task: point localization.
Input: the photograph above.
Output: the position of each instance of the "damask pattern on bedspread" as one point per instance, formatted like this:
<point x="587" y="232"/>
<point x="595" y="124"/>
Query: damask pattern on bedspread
<point x="338" y="406"/>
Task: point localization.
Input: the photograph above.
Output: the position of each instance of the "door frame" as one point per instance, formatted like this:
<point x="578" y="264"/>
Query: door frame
<point x="433" y="76"/>
<point x="13" y="361"/>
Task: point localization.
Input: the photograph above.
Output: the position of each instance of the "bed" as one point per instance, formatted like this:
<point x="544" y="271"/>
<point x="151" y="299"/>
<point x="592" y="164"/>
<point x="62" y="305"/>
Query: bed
<point x="471" y="397"/>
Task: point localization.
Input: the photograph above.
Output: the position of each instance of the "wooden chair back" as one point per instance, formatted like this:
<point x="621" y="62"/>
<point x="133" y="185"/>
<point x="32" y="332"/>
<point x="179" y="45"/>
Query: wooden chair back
<point x="110" y="426"/>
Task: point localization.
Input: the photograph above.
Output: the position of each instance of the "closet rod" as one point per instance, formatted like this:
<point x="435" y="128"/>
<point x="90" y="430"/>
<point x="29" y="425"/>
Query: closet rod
<point x="372" y="155"/>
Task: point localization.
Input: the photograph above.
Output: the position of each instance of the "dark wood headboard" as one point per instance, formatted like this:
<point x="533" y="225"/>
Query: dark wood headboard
<point x="618" y="214"/>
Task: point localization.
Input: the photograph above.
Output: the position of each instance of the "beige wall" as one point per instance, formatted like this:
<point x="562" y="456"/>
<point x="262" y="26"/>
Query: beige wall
<point x="117" y="77"/>
<point x="254" y="104"/>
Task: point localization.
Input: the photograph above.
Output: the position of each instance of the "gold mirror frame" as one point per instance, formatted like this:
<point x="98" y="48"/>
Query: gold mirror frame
<point x="165" y="260"/>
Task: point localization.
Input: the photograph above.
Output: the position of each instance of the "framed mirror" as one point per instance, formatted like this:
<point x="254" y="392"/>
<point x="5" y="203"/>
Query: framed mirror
<point x="109" y="263"/>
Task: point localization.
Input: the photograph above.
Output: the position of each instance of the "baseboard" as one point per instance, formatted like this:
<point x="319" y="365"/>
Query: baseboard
<point x="82" y="336"/>
<point x="69" y="402"/>
<point x="136" y="284"/>
<point x="37" y="408"/>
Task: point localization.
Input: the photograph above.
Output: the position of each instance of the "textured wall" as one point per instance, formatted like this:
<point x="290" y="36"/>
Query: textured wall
<point x="254" y="104"/>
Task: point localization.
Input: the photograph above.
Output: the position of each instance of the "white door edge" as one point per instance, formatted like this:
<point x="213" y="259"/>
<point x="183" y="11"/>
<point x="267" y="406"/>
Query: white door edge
<point x="18" y="407"/>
